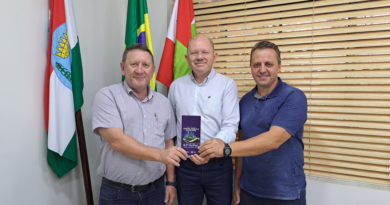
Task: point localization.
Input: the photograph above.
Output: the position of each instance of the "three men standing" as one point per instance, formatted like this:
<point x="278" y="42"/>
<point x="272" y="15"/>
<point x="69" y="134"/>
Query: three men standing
<point x="137" y="125"/>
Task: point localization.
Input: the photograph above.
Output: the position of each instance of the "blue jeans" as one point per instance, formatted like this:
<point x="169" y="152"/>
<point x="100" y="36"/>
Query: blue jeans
<point x="153" y="196"/>
<point x="214" y="179"/>
<point x="247" y="198"/>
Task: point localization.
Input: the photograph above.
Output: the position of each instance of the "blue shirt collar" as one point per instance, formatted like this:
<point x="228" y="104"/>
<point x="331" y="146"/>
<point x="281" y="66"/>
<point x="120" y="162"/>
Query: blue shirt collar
<point x="211" y="75"/>
<point x="129" y="90"/>
<point x="272" y="94"/>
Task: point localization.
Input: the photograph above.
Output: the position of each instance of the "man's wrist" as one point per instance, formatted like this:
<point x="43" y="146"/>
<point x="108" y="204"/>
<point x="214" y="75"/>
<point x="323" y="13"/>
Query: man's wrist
<point x="227" y="151"/>
<point x="168" y="183"/>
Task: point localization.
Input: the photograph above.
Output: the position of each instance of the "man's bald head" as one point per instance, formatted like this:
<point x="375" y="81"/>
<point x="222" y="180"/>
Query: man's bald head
<point x="198" y="38"/>
<point x="201" y="57"/>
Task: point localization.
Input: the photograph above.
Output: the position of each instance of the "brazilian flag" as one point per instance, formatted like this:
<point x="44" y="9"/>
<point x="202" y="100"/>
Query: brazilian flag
<point x="138" y="29"/>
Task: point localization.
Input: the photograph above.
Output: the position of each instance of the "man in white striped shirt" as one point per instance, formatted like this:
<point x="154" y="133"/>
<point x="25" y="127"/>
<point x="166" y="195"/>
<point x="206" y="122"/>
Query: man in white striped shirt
<point x="214" y="97"/>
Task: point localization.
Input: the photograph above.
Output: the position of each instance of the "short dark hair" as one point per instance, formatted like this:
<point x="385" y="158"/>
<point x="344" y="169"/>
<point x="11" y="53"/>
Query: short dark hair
<point x="136" y="46"/>
<point x="266" y="45"/>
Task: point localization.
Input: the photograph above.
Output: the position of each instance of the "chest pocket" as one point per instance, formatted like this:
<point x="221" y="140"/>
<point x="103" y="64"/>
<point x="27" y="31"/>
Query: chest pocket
<point x="213" y="104"/>
<point x="159" y="125"/>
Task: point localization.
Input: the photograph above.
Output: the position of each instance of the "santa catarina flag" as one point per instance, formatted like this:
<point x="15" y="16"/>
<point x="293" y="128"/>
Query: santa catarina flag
<point x="63" y="87"/>
<point x="181" y="29"/>
<point x="138" y="29"/>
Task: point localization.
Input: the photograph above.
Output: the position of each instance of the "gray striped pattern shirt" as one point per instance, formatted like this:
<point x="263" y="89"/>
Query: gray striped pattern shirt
<point x="151" y="122"/>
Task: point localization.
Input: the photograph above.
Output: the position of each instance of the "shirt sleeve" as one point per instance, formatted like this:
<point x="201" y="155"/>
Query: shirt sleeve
<point x="171" y="98"/>
<point x="105" y="112"/>
<point x="239" y="107"/>
<point x="170" y="129"/>
<point x="230" y="114"/>
<point x="292" y="115"/>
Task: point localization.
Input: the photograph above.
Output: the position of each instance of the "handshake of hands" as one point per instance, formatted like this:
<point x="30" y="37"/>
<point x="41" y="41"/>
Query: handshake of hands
<point x="209" y="149"/>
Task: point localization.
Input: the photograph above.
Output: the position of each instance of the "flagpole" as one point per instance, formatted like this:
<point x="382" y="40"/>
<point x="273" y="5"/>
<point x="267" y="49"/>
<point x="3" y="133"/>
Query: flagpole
<point x="84" y="157"/>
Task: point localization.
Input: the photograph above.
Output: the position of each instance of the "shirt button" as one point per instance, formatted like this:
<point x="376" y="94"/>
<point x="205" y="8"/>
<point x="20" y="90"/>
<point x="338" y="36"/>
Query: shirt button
<point x="194" y="109"/>
<point x="144" y="115"/>
<point x="196" y="96"/>
<point x="144" y="130"/>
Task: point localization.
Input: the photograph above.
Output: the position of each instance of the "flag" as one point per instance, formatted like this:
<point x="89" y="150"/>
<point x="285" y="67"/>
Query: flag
<point x="181" y="29"/>
<point x="138" y="29"/>
<point x="63" y="87"/>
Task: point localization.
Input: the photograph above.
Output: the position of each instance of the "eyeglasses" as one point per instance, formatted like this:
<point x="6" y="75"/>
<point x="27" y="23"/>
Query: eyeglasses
<point x="204" y="53"/>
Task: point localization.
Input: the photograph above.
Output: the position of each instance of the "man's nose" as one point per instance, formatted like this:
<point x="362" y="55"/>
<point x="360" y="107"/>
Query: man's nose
<point x="199" y="56"/>
<point x="262" y="69"/>
<point x="138" y="69"/>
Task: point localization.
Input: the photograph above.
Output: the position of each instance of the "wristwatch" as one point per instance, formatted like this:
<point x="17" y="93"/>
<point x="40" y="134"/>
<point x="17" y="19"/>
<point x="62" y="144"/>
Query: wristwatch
<point x="227" y="151"/>
<point x="168" y="183"/>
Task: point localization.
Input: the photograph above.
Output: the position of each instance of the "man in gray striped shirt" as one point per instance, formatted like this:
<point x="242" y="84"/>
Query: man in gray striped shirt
<point x="136" y="127"/>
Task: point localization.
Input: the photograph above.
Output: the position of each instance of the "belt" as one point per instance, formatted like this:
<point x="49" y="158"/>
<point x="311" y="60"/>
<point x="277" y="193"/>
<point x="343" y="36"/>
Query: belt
<point x="132" y="188"/>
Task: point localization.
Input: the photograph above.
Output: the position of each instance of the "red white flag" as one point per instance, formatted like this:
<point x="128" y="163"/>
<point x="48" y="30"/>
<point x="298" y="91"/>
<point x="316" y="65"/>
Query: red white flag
<point x="181" y="29"/>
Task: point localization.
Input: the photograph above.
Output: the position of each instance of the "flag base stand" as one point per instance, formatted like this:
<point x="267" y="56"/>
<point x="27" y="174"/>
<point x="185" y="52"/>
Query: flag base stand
<point x="84" y="157"/>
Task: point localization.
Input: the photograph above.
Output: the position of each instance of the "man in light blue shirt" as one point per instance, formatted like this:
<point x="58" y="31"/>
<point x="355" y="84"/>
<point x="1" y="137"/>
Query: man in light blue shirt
<point x="214" y="97"/>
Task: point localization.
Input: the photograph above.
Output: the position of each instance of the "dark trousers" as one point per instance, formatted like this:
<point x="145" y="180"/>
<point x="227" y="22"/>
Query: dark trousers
<point x="214" y="179"/>
<point x="248" y="199"/>
<point x="153" y="196"/>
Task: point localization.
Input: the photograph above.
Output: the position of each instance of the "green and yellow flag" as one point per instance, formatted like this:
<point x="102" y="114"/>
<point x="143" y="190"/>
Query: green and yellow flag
<point x="138" y="29"/>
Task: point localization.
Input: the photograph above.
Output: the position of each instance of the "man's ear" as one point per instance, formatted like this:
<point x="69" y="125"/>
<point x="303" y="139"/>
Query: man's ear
<point x="215" y="56"/>
<point x="122" y="68"/>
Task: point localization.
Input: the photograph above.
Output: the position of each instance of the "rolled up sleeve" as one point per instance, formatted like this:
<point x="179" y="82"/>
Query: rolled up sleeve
<point x="230" y="114"/>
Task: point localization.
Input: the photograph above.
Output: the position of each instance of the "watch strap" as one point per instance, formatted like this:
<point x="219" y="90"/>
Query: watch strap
<point x="227" y="151"/>
<point x="168" y="183"/>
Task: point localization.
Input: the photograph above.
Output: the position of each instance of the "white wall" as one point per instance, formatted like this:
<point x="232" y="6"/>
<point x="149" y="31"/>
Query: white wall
<point x="23" y="163"/>
<point x="101" y="29"/>
<point x="25" y="177"/>
<point x="322" y="193"/>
